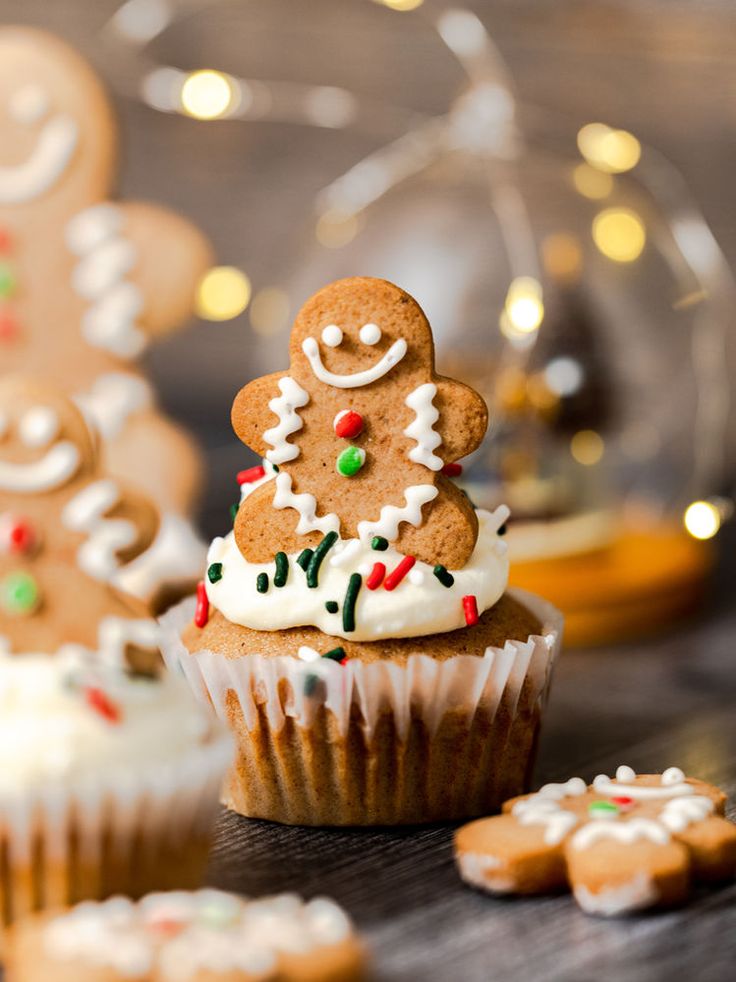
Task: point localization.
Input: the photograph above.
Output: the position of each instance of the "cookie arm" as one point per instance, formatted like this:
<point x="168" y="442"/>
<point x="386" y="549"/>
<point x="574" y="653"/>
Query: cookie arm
<point x="251" y="415"/>
<point x="136" y="508"/>
<point x="463" y="419"/>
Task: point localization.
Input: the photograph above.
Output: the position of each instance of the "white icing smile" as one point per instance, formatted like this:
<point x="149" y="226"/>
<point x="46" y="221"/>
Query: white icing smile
<point x="382" y="367"/>
<point x="48" y="472"/>
<point x="55" y="144"/>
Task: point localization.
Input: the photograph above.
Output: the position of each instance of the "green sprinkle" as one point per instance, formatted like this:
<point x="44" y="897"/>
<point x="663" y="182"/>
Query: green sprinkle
<point x="445" y="578"/>
<point x="303" y="558"/>
<point x="502" y="530"/>
<point x="351" y="596"/>
<point x="214" y="573"/>
<point x="234" y="511"/>
<point x="275" y="467"/>
<point x="335" y="654"/>
<point x="602" y="808"/>
<point x="316" y="561"/>
<point x="282" y="569"/>
<point x="310" y="684"/>
<point x="262" y="583"/>
<point x="379" y="543"/>
<point x="350" y="461"/>
<point x="332" y="606"/>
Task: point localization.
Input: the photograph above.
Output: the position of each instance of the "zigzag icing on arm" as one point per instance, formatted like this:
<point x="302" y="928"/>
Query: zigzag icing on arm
<point x="391" y="517"/>
<point x="422" y="428"/>
<point x="285" y="406"/>
<point x="543" y="808"/>
<point x="115" y="634"/>
<point x="306" y="505"/>
<point x="85" y="513"/>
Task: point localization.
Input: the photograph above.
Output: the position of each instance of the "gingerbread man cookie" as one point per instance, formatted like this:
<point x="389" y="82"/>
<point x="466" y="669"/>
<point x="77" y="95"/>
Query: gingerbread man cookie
<point x="65" y="529"/>
<point x="360" y="427"/>
<point x="621" y="845"/>
<point x="85" y="283"/>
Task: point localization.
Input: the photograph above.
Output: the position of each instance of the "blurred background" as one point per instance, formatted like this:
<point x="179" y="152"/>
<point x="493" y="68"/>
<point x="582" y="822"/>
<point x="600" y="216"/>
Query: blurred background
<point x="551" y="180"/>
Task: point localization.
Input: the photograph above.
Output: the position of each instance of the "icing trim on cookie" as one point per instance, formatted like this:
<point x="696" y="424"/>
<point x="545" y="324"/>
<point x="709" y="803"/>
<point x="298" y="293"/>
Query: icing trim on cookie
<point x="382" y="367"/>
<point x="306" y="506"/>
<point x="49" y="159"/>
<point x="543" y="808"/>
<point x="113" y="398"/>
<point x="422" y="428"/>
<point x="51" y="471"/>
<point x="285" y="406"/>
<point x="626" y="832"/>
<point x="387" y="525"/>
<point x="681" y="812"/>
<point x="672" y="784"/>
<point x="85" y="513"/>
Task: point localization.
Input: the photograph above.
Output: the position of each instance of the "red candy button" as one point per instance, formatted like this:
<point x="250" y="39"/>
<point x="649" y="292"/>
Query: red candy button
<point x="17" y="535"/>
<point x="8" y="327"/>
<point x="623" y="800"/>
<point x="348" y="424"/>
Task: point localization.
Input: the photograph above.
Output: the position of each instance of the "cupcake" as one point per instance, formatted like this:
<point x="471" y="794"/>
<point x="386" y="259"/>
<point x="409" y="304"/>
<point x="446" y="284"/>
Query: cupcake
<point x="109" y="782"/>
<point x="188" y="937"/>
<point x="354" y="630"/>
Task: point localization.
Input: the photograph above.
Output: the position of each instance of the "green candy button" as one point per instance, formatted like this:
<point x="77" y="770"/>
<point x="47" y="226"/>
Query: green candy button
<point x="602" y="808"/>
<point x="7" y="280"/>
<point x="350" y="461"/>
<point x="19" y="593"/>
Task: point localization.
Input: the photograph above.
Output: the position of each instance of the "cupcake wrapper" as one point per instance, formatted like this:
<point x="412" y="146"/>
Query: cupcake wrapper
<point x="377" y="742"/>
<point x="124" y="832"/>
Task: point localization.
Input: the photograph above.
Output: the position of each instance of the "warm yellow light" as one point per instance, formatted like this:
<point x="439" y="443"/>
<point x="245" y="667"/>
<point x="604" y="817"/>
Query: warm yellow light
<point x="619" y="234"/>
<point x="336" y="228"/>
<point x="207" y="94"/>
<point x="702" y="519"/>
<point x="402" y="4"/>
<point x="592" y="183"/>
<point x="524" y="308"/>
<point x="562" y="256"/>
<point x="587" y="447"/>
<point x="614" y="151"/>
<point x="223" y="293"/>
<point x="269" y="311"/>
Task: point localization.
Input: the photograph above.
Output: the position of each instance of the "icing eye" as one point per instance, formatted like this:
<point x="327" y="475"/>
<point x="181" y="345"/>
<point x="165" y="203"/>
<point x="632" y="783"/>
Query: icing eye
<point x="625" y="773"/>
<point x="370" y="334"/>
<point x="39" y="426"/>
<point x="332" y="336"/>
<point x="29" y="104"/>
<point x="673" y="775"/>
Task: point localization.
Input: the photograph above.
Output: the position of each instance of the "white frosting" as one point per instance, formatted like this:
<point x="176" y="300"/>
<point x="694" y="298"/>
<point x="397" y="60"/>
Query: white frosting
<point x="49" y="734"/>
<point x="306" y="506"/>
<point x="285" y="406"/>
<point x="47" y="162"/>
<point x="382" y="367"/>
<point x="106" y="257"/>
<point x="98" y="555"/>
<point x="636" y="894"/>
<point x="485" y="872"/>
<point x="412" y="610"/>
<point x="543" y="808"/>
<point x="626" y="832"/>
<point x="53" y="470"/>
<point x="205" y="931"/>
<point x="113" y="399"/>
<point x="391" y="517"/>
<point x="39" y="426"/>
<point x="422" y="428"/>
<point x="681" y="812"/>
<point x="176" y="555"/>
<point x="370" y="334"/>
<point x="672" y="785"/>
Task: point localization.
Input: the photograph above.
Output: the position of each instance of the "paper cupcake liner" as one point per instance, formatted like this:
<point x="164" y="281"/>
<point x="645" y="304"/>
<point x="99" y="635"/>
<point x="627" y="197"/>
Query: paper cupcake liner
<point x="377" y="742"/>
<point x="127" y="832"/>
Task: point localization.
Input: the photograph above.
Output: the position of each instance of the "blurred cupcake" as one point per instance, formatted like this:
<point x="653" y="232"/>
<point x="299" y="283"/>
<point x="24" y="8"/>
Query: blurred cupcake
<point x="354" y="630"/>
<point x="109" y="782"/>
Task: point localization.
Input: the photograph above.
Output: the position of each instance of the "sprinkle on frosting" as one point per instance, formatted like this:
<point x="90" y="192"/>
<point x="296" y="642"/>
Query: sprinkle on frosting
<point x="316" y="561"/>
<point x="202" y="610"/>
<point x="351" y="597"/>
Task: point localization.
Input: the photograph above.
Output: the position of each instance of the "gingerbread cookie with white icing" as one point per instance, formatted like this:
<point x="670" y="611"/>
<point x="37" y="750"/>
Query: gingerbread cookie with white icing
<point x="361" y="427"/>
<point x="87" y="283"/>
<point x="66" y="528"/>
<point x="205" y="936"/>
<point x="620" y="845"/>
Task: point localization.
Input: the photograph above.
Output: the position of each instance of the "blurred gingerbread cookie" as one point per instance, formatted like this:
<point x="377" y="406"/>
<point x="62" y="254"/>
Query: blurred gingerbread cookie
<point x="204" y="936"/>
<point x="360" y="427"/>
<point x="621" y="845"/>
<point x="65" y="530"/>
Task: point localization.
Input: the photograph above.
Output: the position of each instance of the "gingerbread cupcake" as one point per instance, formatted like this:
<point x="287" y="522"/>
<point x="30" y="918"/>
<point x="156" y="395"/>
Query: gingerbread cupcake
<point x="354" y="629"/>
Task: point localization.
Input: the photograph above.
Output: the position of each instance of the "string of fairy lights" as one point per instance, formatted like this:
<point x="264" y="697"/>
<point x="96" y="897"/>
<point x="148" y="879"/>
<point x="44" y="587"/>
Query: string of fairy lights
<point x="482" y="122"/>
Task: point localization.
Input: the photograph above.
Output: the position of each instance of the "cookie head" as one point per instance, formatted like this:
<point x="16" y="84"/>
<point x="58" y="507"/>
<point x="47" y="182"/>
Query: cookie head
<point x="44" y="441"/>
<point x="56" y="129"/>
<point x="359" y="332"/>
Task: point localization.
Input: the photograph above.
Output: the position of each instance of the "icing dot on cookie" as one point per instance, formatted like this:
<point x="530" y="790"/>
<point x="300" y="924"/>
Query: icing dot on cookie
<point x="370" y="334"/>
<point x="39" y="426"/>
<point x="332" y="336"/>
<point x="624" y="773"/>
<point x="673" y="775"/>
<point x="29" y="104"/>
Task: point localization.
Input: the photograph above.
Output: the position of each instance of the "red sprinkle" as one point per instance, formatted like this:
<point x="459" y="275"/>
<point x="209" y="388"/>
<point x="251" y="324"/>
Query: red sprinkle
<point x="251" y="474"/>
<point x="452" y="470"/>
<point x="202" y="612"/>
<point x="470" y="606"/>
<point x="348" y="424"/>
<point x="102" y="704"/>
<point x="344" y="661"/>
<point x="375" y="577"/>
<point x="397" y="575"/>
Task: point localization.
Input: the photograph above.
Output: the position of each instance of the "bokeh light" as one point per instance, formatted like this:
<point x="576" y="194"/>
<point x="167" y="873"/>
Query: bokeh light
<point x="619" y="234"/>
<point x="401" y="4"/>
<point x="702" y="519"/>
<point x="524" y="308"/>
<point x="587" y="447"/>
<point x="207" y="94"/>
<point x="336" y="228"/>
<point x="591" y="183"/>
<point x="223" y="293"/>
<point x="562" y="257"/>
<point x="610" y="150"/>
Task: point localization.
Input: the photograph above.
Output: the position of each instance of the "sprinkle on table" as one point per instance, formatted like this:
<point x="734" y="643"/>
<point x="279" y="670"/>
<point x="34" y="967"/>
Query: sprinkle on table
<point x="202" y="611"/>
<point x="98" y="700"/>
<point x="251" y="475"/>
<point x="470" y="608"/>
<point x="398" y="573"/>
<point x="262" y="583"/>
<point x="304" y="557"/>
<point x="375" y="577"/>
<point x="351" y="596"/>
<point x="452" y="470"/>
<point x="282" y="569"/>
<point x="379" y="543"/>
<point x="446" y="578"/>
<point x="332" y="606"/>
<point x="335" y="654"/>
<point x="214" y="572"/>
<point x="316" y="560"/>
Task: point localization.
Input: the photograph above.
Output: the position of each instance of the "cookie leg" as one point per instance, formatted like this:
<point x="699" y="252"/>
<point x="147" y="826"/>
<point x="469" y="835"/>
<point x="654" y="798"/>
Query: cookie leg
<point x="448" y="531"/>
<point x="712" y="845"/>
<point x="258" y="526"/>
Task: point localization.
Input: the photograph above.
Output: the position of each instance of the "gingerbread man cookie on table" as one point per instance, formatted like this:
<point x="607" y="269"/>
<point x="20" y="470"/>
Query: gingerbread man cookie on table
<point x="85" y="283"/>
<point x="621" y="845"/>
<point x="360" y="428"/>
<point x="65" y="530"/>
